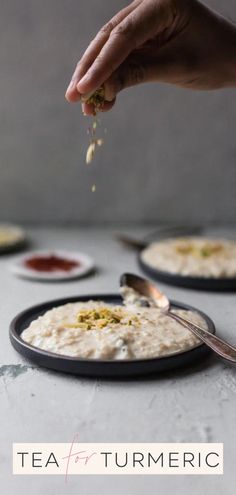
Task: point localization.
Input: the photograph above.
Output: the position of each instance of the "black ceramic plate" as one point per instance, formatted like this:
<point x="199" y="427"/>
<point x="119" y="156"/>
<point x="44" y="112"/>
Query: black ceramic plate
<point x="200" y="283"/>
<point x="13" y="248"/>
<point x="97" y="367"/>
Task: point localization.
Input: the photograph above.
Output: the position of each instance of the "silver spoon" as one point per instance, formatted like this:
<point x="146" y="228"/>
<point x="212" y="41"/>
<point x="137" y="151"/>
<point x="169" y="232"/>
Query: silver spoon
<point x="160" y="300"/>
<point x="159" y="234"/>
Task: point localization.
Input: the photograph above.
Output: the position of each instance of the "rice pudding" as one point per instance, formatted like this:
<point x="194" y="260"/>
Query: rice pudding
<point x="193" y="256"/>
<point x="97" y="330"/>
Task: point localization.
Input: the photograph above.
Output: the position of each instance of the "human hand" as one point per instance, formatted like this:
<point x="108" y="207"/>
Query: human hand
<point x="180" y="42"/>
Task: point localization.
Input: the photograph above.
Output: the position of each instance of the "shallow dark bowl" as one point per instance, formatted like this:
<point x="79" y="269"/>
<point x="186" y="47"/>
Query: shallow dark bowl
<point x="199" y="283"/>
<point x="97" y="367"/>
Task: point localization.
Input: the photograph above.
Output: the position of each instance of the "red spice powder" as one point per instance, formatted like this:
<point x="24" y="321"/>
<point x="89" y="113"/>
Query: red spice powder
<point x="51" y="263"/>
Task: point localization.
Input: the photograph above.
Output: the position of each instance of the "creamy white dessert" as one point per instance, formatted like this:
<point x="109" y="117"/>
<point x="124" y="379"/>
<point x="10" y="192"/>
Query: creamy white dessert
<point x="192" y="256"/>
<point x="98" y="330"/>
<point x="10" y="235"/>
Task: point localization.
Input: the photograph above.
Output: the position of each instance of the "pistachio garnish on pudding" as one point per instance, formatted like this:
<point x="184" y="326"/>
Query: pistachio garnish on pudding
<point x="91" y="319"/>
<point x="204" y="250"/>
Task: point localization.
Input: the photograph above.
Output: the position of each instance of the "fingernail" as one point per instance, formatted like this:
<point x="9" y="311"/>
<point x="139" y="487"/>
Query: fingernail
<point x="109" y="93"/>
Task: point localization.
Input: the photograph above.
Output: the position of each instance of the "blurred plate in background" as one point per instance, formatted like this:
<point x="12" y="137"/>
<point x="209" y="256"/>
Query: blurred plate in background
<point x="52" y="265"/>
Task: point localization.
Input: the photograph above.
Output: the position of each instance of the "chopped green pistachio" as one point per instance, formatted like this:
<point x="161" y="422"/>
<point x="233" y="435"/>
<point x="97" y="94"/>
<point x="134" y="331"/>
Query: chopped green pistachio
<point x="97" y="98"/>
<point x="90" y="152"/>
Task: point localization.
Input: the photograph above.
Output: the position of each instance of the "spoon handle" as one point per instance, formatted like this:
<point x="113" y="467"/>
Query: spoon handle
<point x="218" y="345"/>
<point x="131" y="242"/>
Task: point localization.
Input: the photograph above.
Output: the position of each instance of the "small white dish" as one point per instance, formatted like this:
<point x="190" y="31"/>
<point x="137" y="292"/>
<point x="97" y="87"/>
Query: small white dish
<point x="19" y="267"/>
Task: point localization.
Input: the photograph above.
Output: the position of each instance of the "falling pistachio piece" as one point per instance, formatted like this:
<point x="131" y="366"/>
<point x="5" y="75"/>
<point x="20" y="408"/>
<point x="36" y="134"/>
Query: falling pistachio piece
<point x="96" y="99"/>
<point x="90" y="152"/>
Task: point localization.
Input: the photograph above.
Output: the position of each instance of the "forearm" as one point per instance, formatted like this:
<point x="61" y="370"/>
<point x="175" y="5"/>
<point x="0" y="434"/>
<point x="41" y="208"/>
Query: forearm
<point x="212" y="41"/>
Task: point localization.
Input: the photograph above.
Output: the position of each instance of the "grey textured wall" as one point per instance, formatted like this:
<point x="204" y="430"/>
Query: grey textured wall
<point x="169" y="155"/>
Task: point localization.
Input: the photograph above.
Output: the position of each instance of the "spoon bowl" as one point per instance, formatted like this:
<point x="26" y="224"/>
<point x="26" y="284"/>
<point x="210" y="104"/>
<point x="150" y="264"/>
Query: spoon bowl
<point x="146" y="289"/>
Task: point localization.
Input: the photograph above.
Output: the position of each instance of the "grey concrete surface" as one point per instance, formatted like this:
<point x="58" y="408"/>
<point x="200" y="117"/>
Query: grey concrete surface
<point x="169" y="153"/>
<point x="195" y="404"/>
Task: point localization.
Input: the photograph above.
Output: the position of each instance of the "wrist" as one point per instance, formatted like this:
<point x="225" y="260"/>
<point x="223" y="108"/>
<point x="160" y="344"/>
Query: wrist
<point x="228" y="37"/>
<point x="218" y="48"/>
<point x="232" y="64"/>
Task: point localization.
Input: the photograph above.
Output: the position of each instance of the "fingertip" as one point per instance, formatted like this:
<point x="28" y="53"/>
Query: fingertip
<point x="72" y="96"/>
<point x="107" y="105"/>
<point x="88" y="109"/>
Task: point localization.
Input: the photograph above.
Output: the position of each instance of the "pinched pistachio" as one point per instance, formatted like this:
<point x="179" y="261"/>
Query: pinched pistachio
<point x="97" y="99"/>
